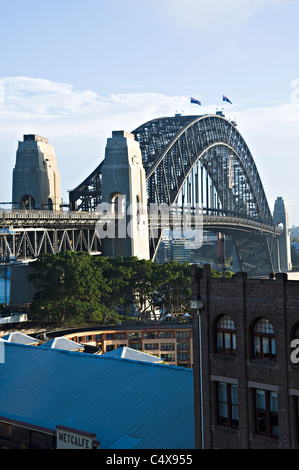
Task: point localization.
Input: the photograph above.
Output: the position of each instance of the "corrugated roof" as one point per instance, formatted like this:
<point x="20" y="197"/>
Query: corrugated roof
<point x="133" y="354"/>
<point x="129" y="404"/>
<point x="62" y="343"/>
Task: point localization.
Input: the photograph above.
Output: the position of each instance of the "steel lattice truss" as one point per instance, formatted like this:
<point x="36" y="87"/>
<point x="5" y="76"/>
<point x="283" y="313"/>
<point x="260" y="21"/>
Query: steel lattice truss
<point x="202" y="159"/>
<point x="28" y="243"/>
<point x="207" y="159"/>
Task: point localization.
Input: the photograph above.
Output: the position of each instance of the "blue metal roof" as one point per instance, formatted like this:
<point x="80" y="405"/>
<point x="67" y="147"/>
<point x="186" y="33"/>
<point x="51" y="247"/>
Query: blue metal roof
<point x="126" y="403"/>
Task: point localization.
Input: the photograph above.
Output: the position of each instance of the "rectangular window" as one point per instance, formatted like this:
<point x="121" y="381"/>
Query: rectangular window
<point x="167" y="357"/>
<point x="150" y="346"/>
<point x="183" y="356"/>
<point x="121" y="336"/>
<point x="167" y="347"/>
<point x="137" y="346"/>
<point x="166" y="334"/>
<point x="134" y="335"/>
<point x="182" y="334"/>
<point x="109" y="336"/>
<point x="183" y="346"/>
<point x="266" y="413"/>
<point x="151" y="335"/>
<point x="228" y="411"/>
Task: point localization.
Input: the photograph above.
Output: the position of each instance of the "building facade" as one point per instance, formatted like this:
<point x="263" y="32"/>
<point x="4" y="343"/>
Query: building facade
<point x="171" y="342"/>
<point x="246" y="372"/>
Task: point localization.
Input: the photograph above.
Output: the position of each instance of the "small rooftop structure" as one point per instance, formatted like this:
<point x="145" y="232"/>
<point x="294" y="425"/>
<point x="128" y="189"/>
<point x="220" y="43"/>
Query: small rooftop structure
<point x="129" y="353"/>
<point x="20" y="338"/>
<point x="63" y="343"/>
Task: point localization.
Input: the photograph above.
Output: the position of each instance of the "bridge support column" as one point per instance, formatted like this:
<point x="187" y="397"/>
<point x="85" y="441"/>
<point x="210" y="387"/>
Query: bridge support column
<point x="21" y="291"/>
<point x="124" y="192"/>
<point x="36" y="179"/>
<point x="283" y="260"/>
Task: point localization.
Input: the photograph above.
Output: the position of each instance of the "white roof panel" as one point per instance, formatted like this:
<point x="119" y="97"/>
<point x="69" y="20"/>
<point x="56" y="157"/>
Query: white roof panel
<point x="133" y="354"/>
<point x="62" y="343"/>
<point x="18" y="337"/>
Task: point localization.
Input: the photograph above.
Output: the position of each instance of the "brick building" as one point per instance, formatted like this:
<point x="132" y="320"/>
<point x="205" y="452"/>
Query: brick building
<point x="246" y="380"/>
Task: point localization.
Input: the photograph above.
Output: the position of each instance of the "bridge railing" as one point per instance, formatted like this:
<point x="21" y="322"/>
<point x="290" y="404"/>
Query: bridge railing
<point x="54" y="215"/>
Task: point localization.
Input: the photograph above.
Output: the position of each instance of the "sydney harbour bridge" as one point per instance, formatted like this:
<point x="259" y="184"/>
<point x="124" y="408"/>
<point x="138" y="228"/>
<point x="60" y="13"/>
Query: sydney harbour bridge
<point x="188" y="161"/>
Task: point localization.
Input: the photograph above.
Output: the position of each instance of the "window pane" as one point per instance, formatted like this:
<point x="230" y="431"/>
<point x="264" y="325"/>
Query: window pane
<point x="222" y="395"/>
<point x="222" y="401"/>
<point x="261" y="399"/>
<point x="234" y="342"/>
<point x="227" y="342"/>
<point x="257" y="346"/>
<point x="261" y="421"/>
<point x="219" y="342"/>
<point x="234" y="394"/>
<point x="225" y="322"/>
<point x="223" y="413"/>
<point x="274" y="429"/>
<point x="273" y="401"/>
<point x="235" y="414"/>
<point x="265" y="342"/>
<point x="264" y="326"/>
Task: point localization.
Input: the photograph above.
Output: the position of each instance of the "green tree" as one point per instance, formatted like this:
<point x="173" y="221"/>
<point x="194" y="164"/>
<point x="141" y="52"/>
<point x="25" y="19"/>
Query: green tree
<point x="70" y="288"/>
<point x="174" y="291"/>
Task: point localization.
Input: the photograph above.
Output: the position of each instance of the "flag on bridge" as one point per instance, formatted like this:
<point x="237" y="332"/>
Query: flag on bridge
<point x="194" y="101"/>
<point x="225" y="98"/>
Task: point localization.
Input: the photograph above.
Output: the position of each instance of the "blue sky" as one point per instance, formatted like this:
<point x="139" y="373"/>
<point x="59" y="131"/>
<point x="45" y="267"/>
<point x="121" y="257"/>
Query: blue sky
<point x="74" y="71"/>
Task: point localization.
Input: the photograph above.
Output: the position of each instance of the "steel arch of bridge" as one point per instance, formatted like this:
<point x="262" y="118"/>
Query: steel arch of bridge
<point x="171" y="149"/>
<point x="199" y="160"/>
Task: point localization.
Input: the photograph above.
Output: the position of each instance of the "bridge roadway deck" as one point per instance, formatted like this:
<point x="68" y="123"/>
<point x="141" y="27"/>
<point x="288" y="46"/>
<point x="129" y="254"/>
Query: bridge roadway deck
<point x="47" y="219"/>
<point x="24" y="220"/>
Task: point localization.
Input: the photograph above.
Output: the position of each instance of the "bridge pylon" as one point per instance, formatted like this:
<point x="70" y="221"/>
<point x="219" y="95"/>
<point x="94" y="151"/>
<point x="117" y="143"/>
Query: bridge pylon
<point x="124" y="193"/>
<point x="36" y="179"/>
<point x="283" y="260"/>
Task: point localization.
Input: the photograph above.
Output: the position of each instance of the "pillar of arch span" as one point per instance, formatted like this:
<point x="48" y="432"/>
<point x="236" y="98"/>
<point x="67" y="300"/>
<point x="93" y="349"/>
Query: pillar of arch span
<point x="124" y="194"/>
<point x="283" y="252"/>
<point x="36" y="179"/>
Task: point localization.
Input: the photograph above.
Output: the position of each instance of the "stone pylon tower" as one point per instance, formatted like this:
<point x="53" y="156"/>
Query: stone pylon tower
<point x="281" y="218"/>
<point x="124" y="193"/>
<point x="36" y="179"/>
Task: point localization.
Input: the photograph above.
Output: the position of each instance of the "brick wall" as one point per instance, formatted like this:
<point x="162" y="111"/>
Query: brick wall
<point x="245" y="300"/>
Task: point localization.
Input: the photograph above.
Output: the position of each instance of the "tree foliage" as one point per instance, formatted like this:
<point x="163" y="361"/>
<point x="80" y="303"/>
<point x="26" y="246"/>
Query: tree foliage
<point x="75" y="287"/>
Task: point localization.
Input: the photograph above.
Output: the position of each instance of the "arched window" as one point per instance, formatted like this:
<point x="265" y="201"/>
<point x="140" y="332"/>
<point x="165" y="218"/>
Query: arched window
<point x="28" y="202"/>
<point x="225" y="336"/>
<point x="118" y="203"/>
<point x="264" y="339"/>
